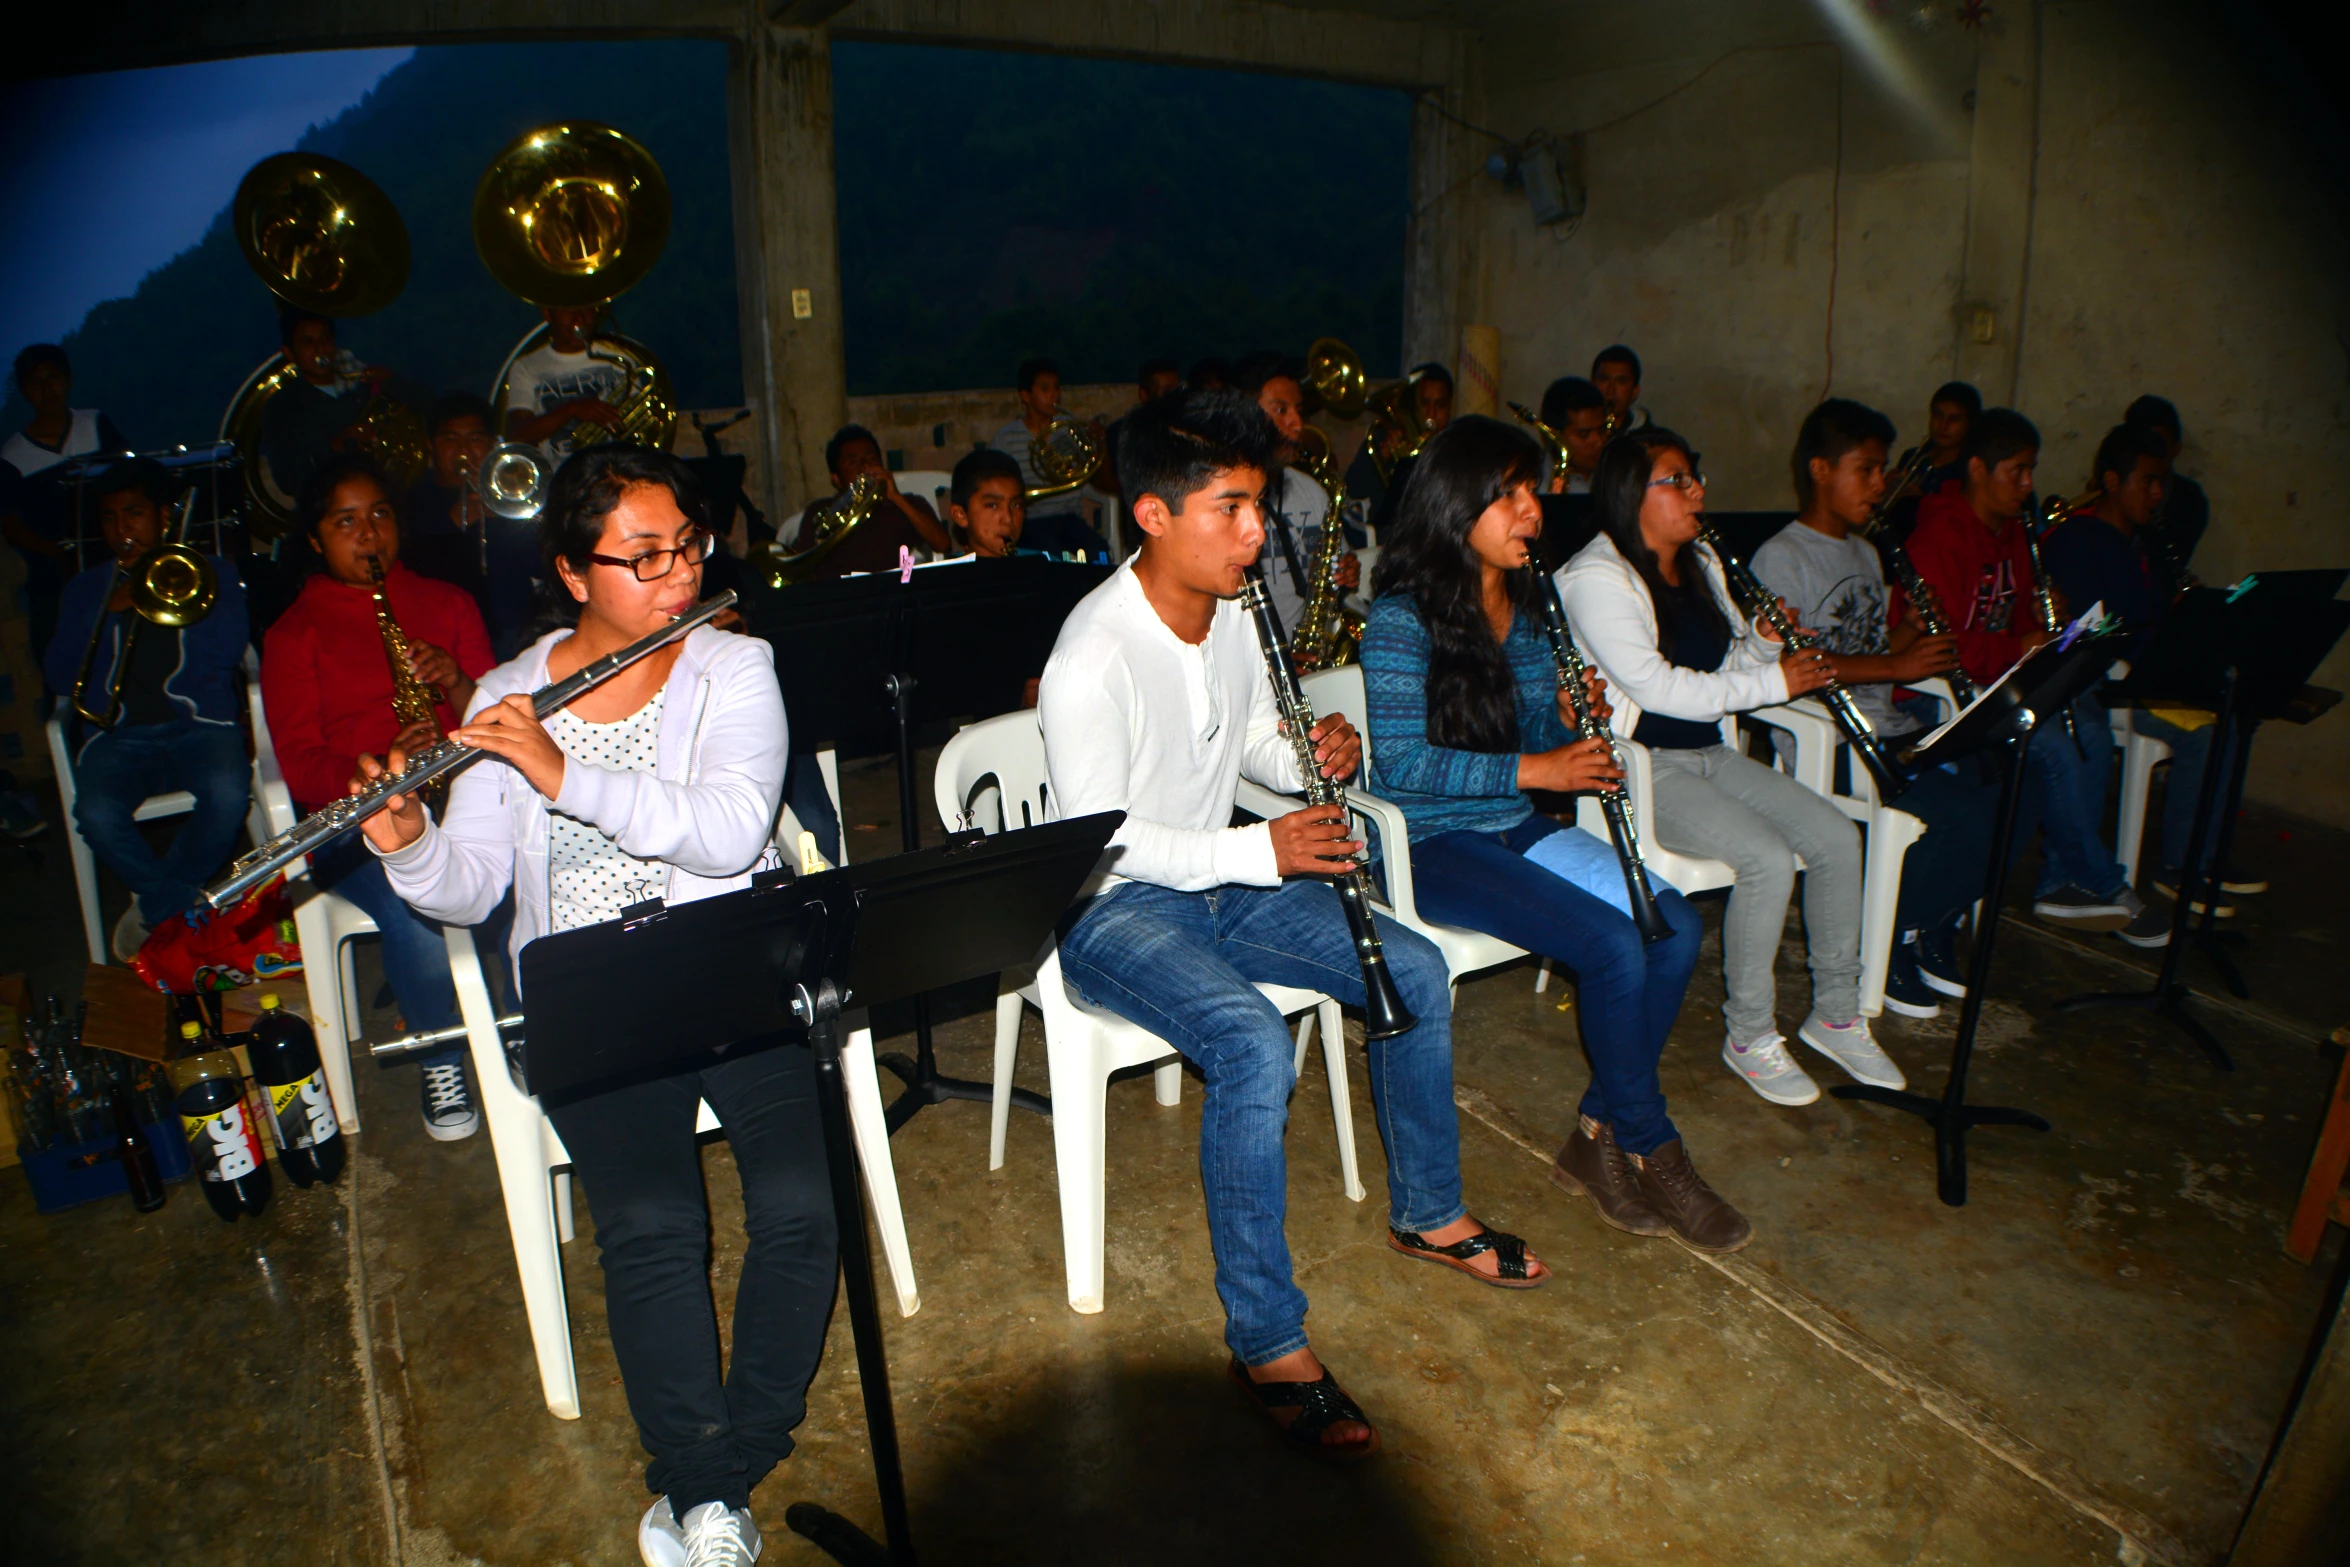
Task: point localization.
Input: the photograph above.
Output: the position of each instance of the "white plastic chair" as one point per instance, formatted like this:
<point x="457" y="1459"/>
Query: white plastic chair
<point x="1083" y="1044"/>
<point x="2141" y="754"/>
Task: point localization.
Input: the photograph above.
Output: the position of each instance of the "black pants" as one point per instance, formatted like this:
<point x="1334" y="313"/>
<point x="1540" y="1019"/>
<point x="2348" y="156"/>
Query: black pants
<point x="712" y="1436"/>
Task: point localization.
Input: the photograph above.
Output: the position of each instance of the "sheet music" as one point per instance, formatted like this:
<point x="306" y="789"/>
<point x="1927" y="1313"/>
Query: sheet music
<point x="2089" y="620"/>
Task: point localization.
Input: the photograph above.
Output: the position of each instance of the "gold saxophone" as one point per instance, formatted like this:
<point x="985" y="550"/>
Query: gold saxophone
<point x="412" y="700"/>
<point x="1328" y="633"/>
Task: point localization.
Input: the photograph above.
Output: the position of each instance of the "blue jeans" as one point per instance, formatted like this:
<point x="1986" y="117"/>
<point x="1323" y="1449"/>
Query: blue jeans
<point x="1629" y="992"/>
<point x="1943" y="871"/>
<point x="1185" y="965"/>
<point x="121" y="767"/>
<point x="416" y="958"/>
<point x="2064" y="796"/>
<point x="2188" y="749"/>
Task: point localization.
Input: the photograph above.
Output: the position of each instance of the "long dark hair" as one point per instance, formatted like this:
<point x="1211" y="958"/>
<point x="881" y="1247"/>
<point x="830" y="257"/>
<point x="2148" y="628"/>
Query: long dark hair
<point x="1618" y="487"/>
<point x="579" y="499"/>
<point x="1466" y="467"/>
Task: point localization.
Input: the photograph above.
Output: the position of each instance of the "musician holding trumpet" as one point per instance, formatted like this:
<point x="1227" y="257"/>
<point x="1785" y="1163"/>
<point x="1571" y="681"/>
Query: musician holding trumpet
<point x="1467" y="714"/>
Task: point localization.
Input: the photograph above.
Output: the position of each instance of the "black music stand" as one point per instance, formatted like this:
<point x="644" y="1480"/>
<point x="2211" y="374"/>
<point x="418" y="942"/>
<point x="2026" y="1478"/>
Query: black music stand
<point x="2004" y="716"/>
<point x="776" y="963"/>
<point x="864" y="660"/>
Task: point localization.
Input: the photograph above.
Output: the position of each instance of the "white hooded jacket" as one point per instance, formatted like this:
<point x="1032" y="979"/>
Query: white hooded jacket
<point x="1614" y="621"/>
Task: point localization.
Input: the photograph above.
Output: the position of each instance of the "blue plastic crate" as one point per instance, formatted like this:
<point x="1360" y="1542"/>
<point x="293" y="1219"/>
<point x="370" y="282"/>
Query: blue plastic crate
<point x="66" y="1175"/>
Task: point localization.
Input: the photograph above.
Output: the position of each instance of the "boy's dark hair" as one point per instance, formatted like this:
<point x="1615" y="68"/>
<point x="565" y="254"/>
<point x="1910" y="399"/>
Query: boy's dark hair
<point x="1959" y="392"/>
<point x="1208" y="374"/>
<point x="1030" y="369"/>
<point x="1829" y="431"/>
<point x="1996" y="434"/>
<point x="1567" y="396"/>
<point x="2159" y="413"/>
<point x="1617" y="354"/>
<point x="581" y="496"/>
<point x="1159" y="366"/>
<point x="143" y="474"/>
<point x="291" y="316"/>
<point x="38" y="354"/>
<point x="318" y="491"/>
<point x="2123" y="445"/>
<point x="1250" y="374"/>
<point x="841" y="438"/>
<point x="1431" y="371"/>
<point x="453" y="406"/>
<point x="1171" y="447"/>
<point x="976" y="468"/>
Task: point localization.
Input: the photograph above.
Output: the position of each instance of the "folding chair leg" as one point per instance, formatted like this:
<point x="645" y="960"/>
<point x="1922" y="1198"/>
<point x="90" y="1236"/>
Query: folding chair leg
<point x="1167" y="1084"/>
<point x="1008" y="1007"/>
<point x="1342" y="1108"/>
<point x="1305" y="1035"/>
<point x="869" y="1122"/>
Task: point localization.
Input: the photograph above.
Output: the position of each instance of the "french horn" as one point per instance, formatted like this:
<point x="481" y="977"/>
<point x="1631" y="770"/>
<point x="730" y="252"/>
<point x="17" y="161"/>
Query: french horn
<point x="1067" y="454"/>
<point x="823" y="527"/>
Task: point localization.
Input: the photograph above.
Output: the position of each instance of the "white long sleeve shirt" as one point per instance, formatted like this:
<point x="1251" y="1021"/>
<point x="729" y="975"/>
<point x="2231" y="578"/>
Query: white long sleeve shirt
<point x="1614" y="620"/>
<point x="1138" y="720"/>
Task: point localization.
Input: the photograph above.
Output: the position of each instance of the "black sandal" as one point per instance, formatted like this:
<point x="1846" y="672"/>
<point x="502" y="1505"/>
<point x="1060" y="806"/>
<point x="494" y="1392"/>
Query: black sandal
<point x="1320" y="1405"/>
<point x="1509" y="1256"/>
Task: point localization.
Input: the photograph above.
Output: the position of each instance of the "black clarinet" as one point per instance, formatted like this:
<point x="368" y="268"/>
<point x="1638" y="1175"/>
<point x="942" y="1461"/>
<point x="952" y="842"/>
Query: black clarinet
<point x="1384" y="1014"/>
<point x="1761" y="603"/>
<point x="1931" y="621"/>
<point x="1573" y="680"/>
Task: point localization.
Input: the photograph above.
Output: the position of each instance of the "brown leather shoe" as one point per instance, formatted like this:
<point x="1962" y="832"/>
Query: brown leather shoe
<point x="1700" y="1219"/>
<point x="1596" y="1168"/>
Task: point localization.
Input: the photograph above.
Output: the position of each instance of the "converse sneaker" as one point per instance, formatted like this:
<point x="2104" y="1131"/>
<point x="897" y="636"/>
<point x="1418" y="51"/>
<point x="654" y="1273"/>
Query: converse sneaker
<point x="2148" y="929"/>
<point x="1850" y="1047"/>
<point x="1936" y="955"/>
<point x="1769" y="1070"/>
<point x="2243" y="883"/>
<point x="448" y="1103"/>
<point x="2086" y="911"/>
<point x="1905" y="991"/>
<point x="711" y="1536"/>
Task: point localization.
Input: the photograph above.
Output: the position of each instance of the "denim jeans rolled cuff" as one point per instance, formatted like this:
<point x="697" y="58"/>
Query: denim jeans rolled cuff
<point x="415" y="953"/>
<point x="1185" y="966"/>
<point x="118" y="769"/>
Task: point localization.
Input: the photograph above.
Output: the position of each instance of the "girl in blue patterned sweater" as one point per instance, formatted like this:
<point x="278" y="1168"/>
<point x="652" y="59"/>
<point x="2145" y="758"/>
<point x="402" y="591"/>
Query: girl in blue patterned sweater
<point x="1464" y="718"/>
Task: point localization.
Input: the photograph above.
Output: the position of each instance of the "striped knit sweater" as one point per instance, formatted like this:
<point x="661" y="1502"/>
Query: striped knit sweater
<point x="1439" y="789"/>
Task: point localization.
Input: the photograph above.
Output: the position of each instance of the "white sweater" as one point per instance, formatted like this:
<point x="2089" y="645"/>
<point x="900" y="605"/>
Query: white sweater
<point x="1138" y="720"/>
<point x="707" y="812"/>
<point x="1614" y="621"/>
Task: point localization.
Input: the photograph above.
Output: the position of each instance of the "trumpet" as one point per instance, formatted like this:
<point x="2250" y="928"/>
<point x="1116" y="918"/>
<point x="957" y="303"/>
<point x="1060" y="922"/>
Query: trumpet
<point x="170" y="585"/>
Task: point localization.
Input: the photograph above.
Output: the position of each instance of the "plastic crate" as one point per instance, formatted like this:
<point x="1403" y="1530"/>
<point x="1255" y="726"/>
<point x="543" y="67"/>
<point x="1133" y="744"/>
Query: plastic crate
<point x="66" y="1175"/>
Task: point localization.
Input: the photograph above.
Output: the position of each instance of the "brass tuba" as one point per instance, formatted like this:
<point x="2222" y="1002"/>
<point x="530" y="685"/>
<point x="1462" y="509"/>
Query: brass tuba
<point x="1334" y="375"/>
<point x="323" y="237"/>
<point x="574" y="214"/>
<point x="170" y="585"/>
<point x="1066" y="455"/>
<point x="822" y="528"/>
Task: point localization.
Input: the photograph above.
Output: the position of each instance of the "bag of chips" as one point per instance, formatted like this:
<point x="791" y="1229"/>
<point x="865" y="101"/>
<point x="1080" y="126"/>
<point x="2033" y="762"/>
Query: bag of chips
<point x="200" y="950"/>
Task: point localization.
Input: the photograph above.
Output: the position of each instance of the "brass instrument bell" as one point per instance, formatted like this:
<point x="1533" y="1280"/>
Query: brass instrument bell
<point x="170" y="585"/>
<point x="1334" y="375"/>
<point x="322" y="235"/>
<point x="1552" y="442"/>
<point x="1067" y="454"/>
<point x="571" y="214"/>
<point x="822" y="528"/>
<point x="511" y="481"/>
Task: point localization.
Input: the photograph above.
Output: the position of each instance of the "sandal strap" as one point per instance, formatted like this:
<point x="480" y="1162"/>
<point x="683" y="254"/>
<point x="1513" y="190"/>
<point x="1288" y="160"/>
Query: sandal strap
<point x="1509" y="1251"/>
<point x="1320" y="1404"/>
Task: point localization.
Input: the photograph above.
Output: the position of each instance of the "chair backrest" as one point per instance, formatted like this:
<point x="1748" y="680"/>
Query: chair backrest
<point x="931" y="484"/>
<point x="1005" y="753"/>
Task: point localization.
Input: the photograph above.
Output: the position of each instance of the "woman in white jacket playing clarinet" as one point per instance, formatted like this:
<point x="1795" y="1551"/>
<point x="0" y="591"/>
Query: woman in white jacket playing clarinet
<point x="1654" y="612"/>
<point x="662" y="782"/>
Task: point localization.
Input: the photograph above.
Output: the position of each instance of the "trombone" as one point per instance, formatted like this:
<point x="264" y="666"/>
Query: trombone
<point x="170" y="585"/>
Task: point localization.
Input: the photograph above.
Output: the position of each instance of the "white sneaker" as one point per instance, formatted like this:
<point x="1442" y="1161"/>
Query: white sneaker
<point x="449" y="1114"/>
<point x="1769" y="1070"/>
<point x="1850" y="1047"/>
<point x="711" y="1536"/>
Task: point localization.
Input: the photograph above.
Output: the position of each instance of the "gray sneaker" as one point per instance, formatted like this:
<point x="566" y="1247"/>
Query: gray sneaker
<point x="1851" y="1047"/>
<point x="2080" y="910"/>
<point x="1766" y="1068"/>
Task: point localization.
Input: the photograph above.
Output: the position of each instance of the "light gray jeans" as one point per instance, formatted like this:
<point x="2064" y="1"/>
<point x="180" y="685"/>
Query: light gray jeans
<point x="1722" y="805"/>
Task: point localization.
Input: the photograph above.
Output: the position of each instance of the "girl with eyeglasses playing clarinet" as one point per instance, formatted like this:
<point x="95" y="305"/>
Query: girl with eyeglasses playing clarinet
<point x="663" y="782"/>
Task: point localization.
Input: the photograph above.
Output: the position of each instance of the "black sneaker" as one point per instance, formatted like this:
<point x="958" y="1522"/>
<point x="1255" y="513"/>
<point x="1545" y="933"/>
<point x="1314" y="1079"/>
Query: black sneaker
<point x="1905" y="991"/>
<point x="448" y="1104"/>
<point x="2085" y="910"/>
<point x="2241" y="882"/>
<point x="2150" y="929"/>
<point x="2167" y="883"/>
<point x="1936" y="956"/>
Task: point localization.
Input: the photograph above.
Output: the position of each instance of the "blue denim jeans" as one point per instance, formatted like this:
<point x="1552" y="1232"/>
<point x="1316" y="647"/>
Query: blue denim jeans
<point x="1943" y="871"/>
<point x="1185" y="966"/>
<point x="2064" y="796"/>
<point x="416" y="958"/>
<point x="1629" y="992"/>
<point x="121" y="767"/>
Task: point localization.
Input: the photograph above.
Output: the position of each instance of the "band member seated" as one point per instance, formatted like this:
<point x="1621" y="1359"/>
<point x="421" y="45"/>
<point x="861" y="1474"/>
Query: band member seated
<point x="559" y="386"/>
<point x="1155" y="702"/>
<point x="326" y="684"/>
<point x="1834" y="582"/>
<point x="178" y="727"/>
<point x="1293" y="517"/>
<point x="446" y="533"/>
<point x="35" y="515"/>
<point x="1971" y="549"/>
<point x="901" y="521"/>
<point x="987" y="504"/>
<point x="2101" y="555"/>
<point x="1056" y="523"/>
<point x="2185" y="513"/>
<point x="1466" y="715"/>
<point x="1950" y="412"/>
<point x="1615" y="370"/>
<point x="318" y="412"/>
<point x="1432" y="399"/>
<point x="1573" y="407"/>
<point x="1658" y="619"/>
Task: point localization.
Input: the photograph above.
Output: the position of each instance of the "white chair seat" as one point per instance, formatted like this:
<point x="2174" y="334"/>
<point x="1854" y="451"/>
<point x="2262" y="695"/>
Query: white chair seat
<point x="2141" y="754"/>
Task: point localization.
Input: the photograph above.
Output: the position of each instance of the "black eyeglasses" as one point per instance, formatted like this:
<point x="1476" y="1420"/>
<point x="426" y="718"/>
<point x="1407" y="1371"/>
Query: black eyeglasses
<point x="653" y="565"/>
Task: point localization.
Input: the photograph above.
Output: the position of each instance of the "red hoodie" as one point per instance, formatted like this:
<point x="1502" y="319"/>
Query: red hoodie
<point x="1984" y="580"/>
<point x="327" y="686"/>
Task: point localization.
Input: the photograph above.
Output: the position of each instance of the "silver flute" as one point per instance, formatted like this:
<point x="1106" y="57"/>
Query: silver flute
<point x="438" y="760"/>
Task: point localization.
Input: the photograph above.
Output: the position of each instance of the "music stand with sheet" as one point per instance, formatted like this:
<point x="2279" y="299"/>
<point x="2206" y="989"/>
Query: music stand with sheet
<point x="2003" y="717"/>
<point x="775" y="964"/>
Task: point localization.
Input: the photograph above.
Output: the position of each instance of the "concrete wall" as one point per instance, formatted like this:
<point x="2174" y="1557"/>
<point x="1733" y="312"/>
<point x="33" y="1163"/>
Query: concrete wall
<point x="2094" y="199"/>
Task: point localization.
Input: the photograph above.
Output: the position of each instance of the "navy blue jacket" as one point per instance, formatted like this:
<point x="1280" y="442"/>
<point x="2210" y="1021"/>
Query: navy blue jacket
<point x="204" y="687"/>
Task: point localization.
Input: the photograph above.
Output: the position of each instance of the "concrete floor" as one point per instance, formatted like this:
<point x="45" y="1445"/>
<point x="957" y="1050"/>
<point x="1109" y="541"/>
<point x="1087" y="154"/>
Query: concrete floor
<point x="2084" y="1364"/>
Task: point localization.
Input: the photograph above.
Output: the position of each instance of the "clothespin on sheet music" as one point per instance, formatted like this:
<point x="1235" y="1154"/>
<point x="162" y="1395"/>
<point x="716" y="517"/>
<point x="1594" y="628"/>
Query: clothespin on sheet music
<point x="905" y="564"/>
<point x="811" y="857"/>
<point x="2092" y="619"/>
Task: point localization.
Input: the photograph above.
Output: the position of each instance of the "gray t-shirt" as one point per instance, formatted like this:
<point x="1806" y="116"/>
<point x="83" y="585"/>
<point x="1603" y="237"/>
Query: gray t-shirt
<point x="1837" y="588"/>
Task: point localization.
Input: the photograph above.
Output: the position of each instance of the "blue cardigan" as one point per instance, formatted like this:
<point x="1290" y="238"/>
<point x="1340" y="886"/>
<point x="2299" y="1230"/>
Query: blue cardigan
<point x="204" y="687"/>
<point x="1439" y="789"/>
